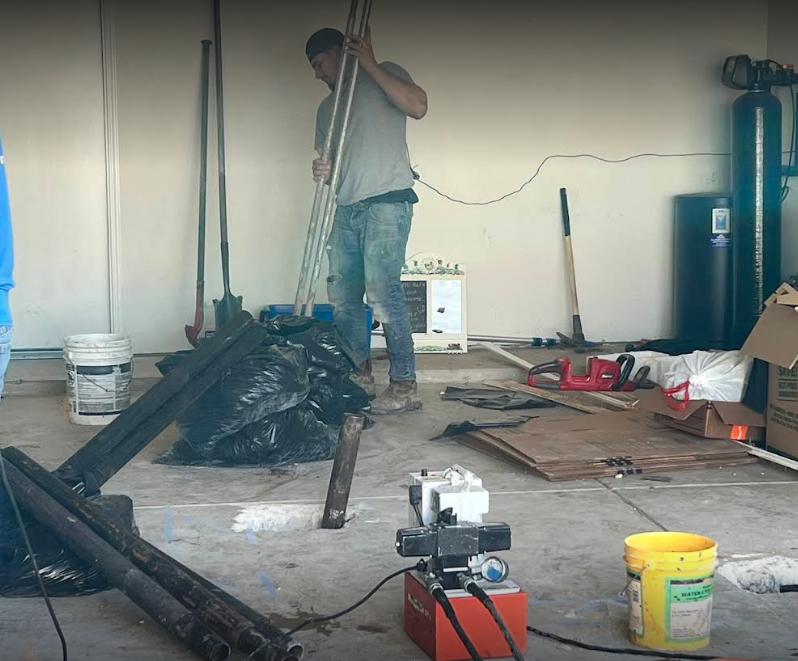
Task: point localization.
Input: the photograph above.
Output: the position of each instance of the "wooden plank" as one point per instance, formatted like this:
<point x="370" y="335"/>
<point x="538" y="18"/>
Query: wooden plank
<point x="549" y="395"/>
<point x="610" y="400"/>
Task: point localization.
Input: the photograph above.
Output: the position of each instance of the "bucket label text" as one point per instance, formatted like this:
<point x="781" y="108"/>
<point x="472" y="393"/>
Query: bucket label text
<point x="689" y="608"/>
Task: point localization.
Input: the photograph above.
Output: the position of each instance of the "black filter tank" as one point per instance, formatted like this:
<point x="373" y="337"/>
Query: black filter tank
<point x="756" y="182"/>
<point x="702" y="269"/>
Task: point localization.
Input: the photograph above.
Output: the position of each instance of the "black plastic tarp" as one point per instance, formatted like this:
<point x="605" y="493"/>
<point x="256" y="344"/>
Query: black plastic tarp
<point x="64" y="574"/>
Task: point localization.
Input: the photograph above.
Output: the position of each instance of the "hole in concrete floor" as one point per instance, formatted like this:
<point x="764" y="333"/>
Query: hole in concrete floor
<point x="284" y="518"/>
<point x="761" y="575"/>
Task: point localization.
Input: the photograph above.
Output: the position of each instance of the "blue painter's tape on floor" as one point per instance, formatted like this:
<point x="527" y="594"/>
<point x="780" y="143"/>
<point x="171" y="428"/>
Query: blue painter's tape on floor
<point x="168" y="525"/>
<point x="268" y="586"/>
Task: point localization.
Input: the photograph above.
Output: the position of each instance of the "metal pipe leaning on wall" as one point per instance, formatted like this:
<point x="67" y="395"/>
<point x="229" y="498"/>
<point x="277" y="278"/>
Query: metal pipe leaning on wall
<point x="115" y="445"/>
<point x="120" y="572"/>
<point x="220" y="616"/>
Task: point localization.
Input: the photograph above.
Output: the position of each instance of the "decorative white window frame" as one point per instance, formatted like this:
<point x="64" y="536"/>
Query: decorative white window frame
<point x="432" y="268"/>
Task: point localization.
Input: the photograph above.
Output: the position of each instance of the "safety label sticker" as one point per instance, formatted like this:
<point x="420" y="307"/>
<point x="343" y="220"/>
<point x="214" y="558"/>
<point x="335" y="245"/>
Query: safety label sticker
<point x="634" y="594"/>
<point x="720" y="241"/>
<point x="689" y="608"/>
<point x="721" y="221"/>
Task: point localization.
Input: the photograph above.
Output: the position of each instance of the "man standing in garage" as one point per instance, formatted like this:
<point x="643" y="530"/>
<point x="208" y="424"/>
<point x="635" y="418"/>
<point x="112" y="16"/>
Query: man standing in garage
<point x="375" y="207"/>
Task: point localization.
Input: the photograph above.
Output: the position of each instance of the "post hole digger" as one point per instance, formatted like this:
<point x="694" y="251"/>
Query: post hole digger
<point x="193" y="331"/>
<point x="229" y="305"/>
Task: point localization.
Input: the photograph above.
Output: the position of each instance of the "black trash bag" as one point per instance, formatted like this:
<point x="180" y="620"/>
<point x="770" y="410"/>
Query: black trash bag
<point x="292" y="436"/>
<point x="277" y="429"/>
<point x="326" y="350"/>
<point x="64" y="574"/>
<point x="330" y="362"/>
<point x="333" y="395"/>
<point x="271" y="379"/>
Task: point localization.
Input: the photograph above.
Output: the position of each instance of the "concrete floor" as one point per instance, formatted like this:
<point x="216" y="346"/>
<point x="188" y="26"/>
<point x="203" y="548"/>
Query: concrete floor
<point x="567" y="544"/>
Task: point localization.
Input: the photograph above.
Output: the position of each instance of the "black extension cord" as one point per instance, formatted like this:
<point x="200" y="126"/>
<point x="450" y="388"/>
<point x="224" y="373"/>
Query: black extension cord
<point x="439" y="595"/>
<point x="32" y="556"/>
<point x="421" y="565"/>
<point x="619" y="650"/>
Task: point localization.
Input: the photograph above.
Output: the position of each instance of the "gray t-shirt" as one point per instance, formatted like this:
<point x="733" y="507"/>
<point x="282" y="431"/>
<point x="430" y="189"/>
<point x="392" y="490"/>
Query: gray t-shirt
<point x="375" y="159"/>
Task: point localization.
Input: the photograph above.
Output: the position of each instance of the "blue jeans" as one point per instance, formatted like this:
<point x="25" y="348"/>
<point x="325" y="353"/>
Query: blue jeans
<point x="367" y="251"/>
<point x="5" y="353"/>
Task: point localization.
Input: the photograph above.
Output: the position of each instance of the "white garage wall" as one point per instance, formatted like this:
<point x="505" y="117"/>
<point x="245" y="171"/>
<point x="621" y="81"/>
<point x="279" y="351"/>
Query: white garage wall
<point x="51" y="120"/>
<point x="783" y="47"/>
<point x="508" y="83"/>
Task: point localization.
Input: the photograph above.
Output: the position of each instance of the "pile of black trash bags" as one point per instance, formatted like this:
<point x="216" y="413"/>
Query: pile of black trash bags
<point x="282" y="404"/>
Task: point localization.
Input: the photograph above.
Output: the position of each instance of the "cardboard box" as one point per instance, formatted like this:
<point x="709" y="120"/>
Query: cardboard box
<point x="775" y="340"/>
<point x="707" y="419"/>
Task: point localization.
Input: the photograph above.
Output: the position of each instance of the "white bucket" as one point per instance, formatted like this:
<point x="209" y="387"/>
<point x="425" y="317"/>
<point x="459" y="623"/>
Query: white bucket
<point x="99" y="370"/>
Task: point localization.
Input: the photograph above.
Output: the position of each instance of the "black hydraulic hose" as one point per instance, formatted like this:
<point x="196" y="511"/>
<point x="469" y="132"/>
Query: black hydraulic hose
<point x="439" y="594"/>
<point x="470" y="585"/>
<point x="788" y="588"/>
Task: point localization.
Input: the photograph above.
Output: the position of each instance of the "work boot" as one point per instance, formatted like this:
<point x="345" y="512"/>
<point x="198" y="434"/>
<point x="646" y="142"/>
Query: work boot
<point x="398" y="396"/>
<point x="363" y="377"/>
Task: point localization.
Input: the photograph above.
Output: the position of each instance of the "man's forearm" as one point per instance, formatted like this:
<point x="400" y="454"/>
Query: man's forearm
<point x="408" y="97"/>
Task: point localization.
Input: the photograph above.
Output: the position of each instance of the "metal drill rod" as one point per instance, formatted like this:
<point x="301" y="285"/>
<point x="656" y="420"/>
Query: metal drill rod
<point x="310" y="242"/>
<point x="342" y="472"/>
<point x="329" y="208"/>
<point x="142" y="590"/>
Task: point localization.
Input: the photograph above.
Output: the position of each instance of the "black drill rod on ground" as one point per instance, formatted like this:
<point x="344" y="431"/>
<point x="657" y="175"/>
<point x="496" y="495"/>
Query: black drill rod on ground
<point x="120" y="572"/>
<point x="342" y="472"/>
<point x="115" y="445"/>
<point x="214" y="612"/>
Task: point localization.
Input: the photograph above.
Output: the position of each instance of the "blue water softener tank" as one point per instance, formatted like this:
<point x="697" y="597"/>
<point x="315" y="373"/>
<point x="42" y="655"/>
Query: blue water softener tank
<point x="702" y="268"/>
<point x="756" y="182"/>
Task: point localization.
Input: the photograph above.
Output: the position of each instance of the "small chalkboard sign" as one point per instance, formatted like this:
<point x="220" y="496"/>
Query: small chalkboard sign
<point x="416" y="299"/>
<point x="435" y="291"/>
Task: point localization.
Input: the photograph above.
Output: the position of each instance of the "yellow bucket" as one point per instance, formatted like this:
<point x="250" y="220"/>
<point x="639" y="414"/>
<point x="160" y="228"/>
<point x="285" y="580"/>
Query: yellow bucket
<point x="670" y="577"/>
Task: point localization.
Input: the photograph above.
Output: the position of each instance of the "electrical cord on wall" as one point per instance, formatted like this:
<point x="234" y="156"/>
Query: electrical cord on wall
<point x="612" y="161"/>
<point x="32" y="556"/>
<point x="551" y="157"/>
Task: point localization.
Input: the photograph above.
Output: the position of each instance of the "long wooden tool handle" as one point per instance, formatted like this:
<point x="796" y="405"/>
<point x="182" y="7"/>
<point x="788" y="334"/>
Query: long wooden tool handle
<point x="569" y="251"/>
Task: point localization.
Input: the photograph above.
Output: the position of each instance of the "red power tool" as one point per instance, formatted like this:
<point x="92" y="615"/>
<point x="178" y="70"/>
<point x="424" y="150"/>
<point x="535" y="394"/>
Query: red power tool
<point x="602" y="375"/>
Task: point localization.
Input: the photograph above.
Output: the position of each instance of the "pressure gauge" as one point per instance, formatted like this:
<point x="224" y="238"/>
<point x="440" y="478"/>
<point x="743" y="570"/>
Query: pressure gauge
<point x="495" y="569"/>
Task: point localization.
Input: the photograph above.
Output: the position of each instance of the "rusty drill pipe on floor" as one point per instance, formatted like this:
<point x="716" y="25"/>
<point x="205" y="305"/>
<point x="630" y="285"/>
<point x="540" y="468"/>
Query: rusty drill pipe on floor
<point x="120" y="572"/>
<point x="343" y="471"/>
<point x="217" y="614"/>
<point x="115" y="445"/>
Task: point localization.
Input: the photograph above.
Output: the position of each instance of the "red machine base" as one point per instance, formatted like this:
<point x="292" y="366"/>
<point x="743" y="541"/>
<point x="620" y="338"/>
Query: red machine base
<point x="428" y="626"/>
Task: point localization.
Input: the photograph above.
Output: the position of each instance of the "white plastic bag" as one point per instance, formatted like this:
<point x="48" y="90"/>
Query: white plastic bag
<point x="643" y="359"/>
<point x="718" y="376"/>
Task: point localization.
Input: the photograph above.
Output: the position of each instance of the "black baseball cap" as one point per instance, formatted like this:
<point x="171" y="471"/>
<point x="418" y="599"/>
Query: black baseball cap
<point x="321" y="40"/>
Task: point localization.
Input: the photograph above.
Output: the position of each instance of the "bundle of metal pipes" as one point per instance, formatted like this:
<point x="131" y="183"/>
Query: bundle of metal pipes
<point x="323" y="208"/>
<point x="194" y="611"/>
